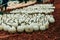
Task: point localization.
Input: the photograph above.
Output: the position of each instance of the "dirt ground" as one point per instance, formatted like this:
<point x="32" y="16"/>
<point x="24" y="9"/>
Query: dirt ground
<point x="53" y="33"/>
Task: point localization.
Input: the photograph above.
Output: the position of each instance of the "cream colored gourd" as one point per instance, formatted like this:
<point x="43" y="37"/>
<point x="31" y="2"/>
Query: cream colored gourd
<point x="42" y="27"/>
<point x="20" y="28"/>
<point x="51" y="20"/>
<point x="12" y="30"/>
<point x="15" y="24"/>
<point x="1" y="27"/>
<point x="46" y="24"/>
<point x="28" y="28"/>
<point x="35" y="26"/>
<point x="5" y="28"/>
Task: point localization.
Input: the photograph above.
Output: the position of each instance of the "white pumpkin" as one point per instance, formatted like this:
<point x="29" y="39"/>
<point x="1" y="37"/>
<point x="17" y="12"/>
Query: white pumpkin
<point x="35" y="26"/>
<point x="6" y="27"/>
<point x="20" y="28"/>
<point x="20" y="20"/>
<point x="51" y="20"/>
<point x="42" y="27"/>
<point x="1" y="27"/>
<point x="14" y="24"/>
<point x="12" y="29"/>
<point x="4" y="18"/>
<point x="28" y="28"/>
<point x="46" y="24"/>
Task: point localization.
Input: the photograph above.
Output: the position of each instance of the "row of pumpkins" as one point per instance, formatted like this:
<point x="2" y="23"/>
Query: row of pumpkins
<point x="28" y="20"/>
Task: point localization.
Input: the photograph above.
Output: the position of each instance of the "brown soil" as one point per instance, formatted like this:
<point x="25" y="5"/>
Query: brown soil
<point x="53" y="33"/>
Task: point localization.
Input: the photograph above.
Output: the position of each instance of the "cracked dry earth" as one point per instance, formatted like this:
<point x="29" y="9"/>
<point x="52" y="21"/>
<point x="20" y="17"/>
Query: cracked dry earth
<point x="53" y="33"/>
